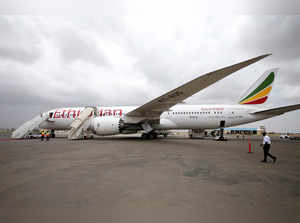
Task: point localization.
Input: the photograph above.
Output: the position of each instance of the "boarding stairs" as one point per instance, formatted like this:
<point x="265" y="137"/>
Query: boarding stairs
<point x="81" y="123"/>
<point x="24" y="130"/>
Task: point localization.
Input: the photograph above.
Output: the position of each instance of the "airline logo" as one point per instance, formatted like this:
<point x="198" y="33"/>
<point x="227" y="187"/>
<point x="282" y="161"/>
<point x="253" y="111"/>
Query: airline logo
<point x="73" y="113"/>
<point x="260" y="94"/>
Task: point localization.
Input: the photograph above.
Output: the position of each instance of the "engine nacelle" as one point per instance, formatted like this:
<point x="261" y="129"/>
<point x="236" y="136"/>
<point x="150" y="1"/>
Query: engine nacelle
<point x="107" y="125"/>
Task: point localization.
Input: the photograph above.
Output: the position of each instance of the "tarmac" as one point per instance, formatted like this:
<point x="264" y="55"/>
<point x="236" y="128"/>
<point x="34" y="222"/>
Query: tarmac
<point x="126" y="179"/>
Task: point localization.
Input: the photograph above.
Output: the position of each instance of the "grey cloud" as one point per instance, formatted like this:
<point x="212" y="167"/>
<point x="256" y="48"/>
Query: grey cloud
<point x="61" y="7"/>
<point x="26" y="96"/>
<point x="17" y="88"/>
<point x="159" y="70"/>
<point x="24" y="87"/>
<point x="276" y="34"/>
<point x="18" y="41"/>
<point x="115" y="6"/>
<point x="74" y="46"/>
<point x="289" y="74"/>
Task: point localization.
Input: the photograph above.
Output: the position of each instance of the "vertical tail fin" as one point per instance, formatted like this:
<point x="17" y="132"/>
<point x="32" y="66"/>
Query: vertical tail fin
<point x="259" y="91"/>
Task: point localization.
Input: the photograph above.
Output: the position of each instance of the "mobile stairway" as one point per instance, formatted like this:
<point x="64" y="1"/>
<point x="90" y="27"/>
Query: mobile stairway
<point x="81" y="123"/>
<point x="24" y="130"/>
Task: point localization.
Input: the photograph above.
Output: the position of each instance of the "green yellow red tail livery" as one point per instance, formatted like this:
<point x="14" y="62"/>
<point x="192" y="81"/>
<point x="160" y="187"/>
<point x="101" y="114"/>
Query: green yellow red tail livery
<point x="259" y="91"/>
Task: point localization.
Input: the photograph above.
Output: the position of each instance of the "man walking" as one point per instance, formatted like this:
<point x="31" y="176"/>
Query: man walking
<point x="266" y="146"/>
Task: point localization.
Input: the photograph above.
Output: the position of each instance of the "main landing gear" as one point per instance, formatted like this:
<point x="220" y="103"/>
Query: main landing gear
<point x="150" y="135"/>
<point x="222" y="126"/>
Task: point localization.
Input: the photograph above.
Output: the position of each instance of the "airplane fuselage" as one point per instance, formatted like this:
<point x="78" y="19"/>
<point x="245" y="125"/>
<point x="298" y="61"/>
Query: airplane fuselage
<point x="178" y="117"/>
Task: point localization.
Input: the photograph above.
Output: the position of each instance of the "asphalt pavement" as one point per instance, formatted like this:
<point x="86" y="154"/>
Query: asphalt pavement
<point x="126" y="179"/>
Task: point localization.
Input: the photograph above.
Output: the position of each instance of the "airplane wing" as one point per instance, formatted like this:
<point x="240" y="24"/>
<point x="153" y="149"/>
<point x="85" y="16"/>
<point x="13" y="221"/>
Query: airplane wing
<point x="154" y="108"/>
<point x="277" y="111"/>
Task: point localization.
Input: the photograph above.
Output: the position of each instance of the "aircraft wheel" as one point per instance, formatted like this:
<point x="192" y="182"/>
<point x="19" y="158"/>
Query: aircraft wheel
<point x="151" y="136"/>
<point x="154" y="135"/>
<point x="145" y="136"/>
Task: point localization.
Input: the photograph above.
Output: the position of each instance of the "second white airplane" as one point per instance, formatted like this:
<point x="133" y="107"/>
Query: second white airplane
<point x="163" y="113"/>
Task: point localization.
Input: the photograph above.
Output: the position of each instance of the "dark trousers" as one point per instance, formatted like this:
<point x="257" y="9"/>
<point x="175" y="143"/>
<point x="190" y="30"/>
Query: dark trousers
<point x="266" y="152"/>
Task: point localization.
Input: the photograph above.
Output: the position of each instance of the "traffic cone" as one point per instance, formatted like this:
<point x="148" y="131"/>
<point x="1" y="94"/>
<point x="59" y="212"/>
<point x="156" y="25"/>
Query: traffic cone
<point x="249" y="143"/>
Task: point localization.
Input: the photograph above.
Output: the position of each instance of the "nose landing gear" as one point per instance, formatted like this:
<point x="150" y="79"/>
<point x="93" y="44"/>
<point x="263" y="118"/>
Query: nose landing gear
<point x="150" y="135"/>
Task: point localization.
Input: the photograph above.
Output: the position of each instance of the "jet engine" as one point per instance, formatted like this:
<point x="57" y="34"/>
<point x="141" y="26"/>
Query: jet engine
<point x="106" y="125"/>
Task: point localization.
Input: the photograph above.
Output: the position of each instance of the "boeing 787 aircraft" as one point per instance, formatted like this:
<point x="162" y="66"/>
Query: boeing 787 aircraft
<point x="165" y="112"/>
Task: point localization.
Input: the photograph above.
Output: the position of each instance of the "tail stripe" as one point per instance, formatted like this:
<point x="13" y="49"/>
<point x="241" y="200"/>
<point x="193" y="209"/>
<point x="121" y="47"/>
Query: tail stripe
<point x="261" y="94"/>
<point x="258" y="101"/>
<point x="263" y="85"/>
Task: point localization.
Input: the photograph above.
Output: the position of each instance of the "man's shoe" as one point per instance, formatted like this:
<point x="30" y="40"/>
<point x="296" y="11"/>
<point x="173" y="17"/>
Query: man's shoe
<point x="263" y="161"/>
<point x="274" y="160"/>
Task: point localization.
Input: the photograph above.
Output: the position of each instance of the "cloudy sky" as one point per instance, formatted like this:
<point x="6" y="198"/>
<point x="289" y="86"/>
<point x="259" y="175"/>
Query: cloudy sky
<point x="49" y="61"/>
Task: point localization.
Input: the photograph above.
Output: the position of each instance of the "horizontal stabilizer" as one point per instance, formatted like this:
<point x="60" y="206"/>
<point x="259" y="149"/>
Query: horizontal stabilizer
<point x="278" y="111"/>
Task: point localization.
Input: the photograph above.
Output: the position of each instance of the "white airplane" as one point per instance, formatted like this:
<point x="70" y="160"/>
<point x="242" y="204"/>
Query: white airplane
<point x="164" y="112"/>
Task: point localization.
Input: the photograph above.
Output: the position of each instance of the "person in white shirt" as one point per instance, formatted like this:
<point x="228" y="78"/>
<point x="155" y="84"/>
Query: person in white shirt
<point x="266" y="146"/>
